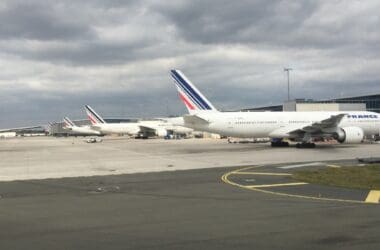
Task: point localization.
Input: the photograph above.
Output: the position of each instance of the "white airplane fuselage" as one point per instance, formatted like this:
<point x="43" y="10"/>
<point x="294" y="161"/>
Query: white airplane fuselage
<point x="278" y="124"/>
<point x="84" y="130"/>
<point x="118" y="128"/>
<point x="173" y="124"/>
<point x="134" y="128"/>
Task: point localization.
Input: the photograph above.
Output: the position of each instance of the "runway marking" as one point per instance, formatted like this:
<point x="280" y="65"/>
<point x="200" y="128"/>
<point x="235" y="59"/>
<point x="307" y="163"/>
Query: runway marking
<point x="333" y="166"/>
<point x="373" y="196"/>
<point x="225" y="179"/>
<point x="277" y="185"/>
<point x="263" y="173"/>
<point x="303" y="165"/>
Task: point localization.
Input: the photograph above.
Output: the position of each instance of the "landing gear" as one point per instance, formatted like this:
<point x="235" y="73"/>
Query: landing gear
<point x="279" y="143"/>
<point x="141" y="136"/>
<point x="305" y="145"/>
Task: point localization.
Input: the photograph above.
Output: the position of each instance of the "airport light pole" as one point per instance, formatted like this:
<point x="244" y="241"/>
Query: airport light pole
<point x="288" y="71"/>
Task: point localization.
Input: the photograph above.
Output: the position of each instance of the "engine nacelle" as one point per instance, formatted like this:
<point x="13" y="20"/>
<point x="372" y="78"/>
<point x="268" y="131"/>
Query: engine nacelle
<point x="161" y="132"/>
<point x="349" y="135"/>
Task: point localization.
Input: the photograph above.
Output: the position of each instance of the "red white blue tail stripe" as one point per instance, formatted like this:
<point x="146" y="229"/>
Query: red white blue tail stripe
<point x="93" y="116"/>
<point x="189" y="94"/>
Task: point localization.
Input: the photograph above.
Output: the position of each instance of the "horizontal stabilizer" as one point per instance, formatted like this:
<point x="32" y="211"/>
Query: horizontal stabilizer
<point x="195" y="119"/>
<point x="96" y="128"/>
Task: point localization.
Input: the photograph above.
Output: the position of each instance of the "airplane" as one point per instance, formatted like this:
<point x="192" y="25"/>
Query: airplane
<point x="164" y="126"/>
<point x="158" y="127"/>
<point x="305" y="128"/>
<point x="99" y="124"/>
<point x="85" y="130"/>
<point x="3" y="130"/>
<point x="13" y="132"/>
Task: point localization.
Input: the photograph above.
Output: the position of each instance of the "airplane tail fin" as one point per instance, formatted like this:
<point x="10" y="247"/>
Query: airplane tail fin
<point x="193" y="99"/>
<point x="48" y="127"/>
<point x="93" y="116"/>
<point x="68" y="123"/>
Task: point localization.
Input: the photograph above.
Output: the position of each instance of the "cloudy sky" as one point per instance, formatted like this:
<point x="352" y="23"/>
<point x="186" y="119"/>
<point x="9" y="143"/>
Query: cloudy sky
<point x="56" y="56"/>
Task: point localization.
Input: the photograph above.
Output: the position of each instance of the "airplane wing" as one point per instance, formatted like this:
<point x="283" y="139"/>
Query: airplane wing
<point x="18" y="129"/>
<point x="319" y="127"/>
<point x="96" y="128"/>
<point x="147" y="129"/>
<point x="152" y="130"/>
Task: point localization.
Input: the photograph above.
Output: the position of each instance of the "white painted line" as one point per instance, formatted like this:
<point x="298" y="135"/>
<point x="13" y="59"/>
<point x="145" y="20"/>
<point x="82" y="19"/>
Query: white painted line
<point x="277" y="185"/>
<point x="303" y="165"/>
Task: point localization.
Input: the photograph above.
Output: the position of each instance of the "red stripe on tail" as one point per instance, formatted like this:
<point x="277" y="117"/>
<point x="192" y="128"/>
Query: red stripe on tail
<point x="92" y="120"/>
<point x="187" y="103"/>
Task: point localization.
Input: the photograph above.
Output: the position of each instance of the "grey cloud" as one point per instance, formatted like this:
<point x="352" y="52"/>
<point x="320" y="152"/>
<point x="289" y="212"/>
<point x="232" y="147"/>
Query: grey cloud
<point x="73" y="30"/>
<point x="238" y="22"/>
<point x="85" y="53"/>
<point x="296" y="24"/>
<point x="40" y="22"/>
<point x="95" y="53"/>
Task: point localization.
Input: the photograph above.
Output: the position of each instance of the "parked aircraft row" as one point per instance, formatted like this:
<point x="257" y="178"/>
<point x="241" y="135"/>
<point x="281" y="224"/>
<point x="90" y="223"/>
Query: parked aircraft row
<point x="302" y="127"/>
<point x="305" y="128"/>
<point x="157" y="127"/>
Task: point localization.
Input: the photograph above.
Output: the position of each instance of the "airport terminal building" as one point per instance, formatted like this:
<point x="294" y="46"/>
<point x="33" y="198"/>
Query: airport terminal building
<point x="367" y="102"/>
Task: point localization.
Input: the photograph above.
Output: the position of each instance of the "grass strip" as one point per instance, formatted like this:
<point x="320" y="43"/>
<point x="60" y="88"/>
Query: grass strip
<point x="361" y="177"/>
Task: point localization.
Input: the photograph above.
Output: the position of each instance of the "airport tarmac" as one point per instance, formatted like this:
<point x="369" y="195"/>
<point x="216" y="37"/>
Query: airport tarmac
<point x="191" y="209"/>
<point x="48" y="157"/>
<point x="214" y="203"/>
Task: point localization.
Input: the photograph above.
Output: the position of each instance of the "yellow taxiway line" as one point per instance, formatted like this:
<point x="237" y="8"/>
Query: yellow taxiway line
<point x="333" y="166"/>
<point x="263" y="173"/>
<point x="373" y="196"/>
<point x="225" y="179"/>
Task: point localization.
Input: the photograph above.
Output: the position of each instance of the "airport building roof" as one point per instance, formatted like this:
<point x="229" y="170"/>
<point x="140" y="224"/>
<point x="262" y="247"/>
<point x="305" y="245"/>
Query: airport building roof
<point x="372" y="103"/>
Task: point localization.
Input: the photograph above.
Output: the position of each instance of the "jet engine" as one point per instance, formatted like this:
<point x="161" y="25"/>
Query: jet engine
<point x="349" y="135"/>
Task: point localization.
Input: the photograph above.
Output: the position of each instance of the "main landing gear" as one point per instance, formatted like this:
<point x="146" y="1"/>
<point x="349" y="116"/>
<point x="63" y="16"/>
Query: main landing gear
<point x="305" y="145"/>
<point x="279" y="143"/>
